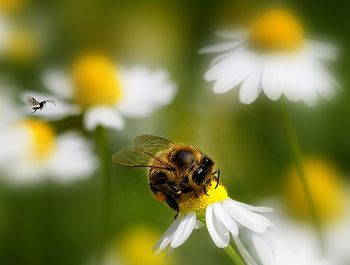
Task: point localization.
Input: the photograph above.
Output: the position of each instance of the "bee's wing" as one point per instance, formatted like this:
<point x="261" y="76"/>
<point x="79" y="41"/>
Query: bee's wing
<point x="152" y="143"/>
<point x="32" y="101"/>
<point x="144" y="150"/>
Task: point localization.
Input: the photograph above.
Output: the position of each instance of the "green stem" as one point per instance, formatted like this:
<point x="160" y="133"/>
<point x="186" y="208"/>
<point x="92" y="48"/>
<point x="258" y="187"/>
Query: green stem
<point x="233" y="255"/>
<point x="298" y="160"/>
<point x="105" y="177"/>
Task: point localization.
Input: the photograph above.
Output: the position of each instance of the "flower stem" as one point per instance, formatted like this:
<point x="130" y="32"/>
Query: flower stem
<point x="298" y="160"/>
<point x="105" y="177"/>
<point x="233" y="255"/>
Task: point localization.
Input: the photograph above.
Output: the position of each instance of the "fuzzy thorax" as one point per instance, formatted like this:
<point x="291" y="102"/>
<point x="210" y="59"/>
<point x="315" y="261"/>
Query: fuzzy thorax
<point x="189" y="202"/>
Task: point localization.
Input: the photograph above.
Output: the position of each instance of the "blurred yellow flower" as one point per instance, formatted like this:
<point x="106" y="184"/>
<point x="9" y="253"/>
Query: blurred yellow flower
<point x="95" y="81"/>
<point x="42" y="136"/>
<point x="135" y="247"/>
<point x="31" y="152"/>
<point x="23" y="45"/>
<point x="276" y="30"/>
<point x="11" y="6"/>
<point x="326" y="188"/>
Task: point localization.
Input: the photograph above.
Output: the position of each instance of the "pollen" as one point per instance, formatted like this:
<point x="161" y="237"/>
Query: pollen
<point x="42" y="138"/>
<point x="190" y="203"/>
<point x="95" y="81"/>
<point x="276" y="31"/>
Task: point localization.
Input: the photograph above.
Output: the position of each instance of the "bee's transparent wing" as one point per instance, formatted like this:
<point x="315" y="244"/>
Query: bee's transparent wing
<point x="152" y="142"/>
<point x="144" y="150"/>
<point x="32" y="101"/>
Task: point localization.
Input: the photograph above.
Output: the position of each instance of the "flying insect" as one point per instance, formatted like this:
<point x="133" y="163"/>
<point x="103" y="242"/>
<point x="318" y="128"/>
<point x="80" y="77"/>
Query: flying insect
<point x="38" y="105"/>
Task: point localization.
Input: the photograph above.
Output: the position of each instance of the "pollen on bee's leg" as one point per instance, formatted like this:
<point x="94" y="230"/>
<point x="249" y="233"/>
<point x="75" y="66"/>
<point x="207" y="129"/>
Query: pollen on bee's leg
<point x="160" y="196"/>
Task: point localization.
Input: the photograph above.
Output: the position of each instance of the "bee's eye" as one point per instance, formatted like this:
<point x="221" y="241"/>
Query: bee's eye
<point x="198" y="176"/>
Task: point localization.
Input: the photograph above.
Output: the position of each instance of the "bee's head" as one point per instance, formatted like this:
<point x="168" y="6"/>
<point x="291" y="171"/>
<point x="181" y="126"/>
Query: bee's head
<point x="203" y="171"/>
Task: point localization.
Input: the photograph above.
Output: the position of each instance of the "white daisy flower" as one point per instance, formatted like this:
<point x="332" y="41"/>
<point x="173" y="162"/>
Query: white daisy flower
<point x="284" y="254"/>
<point x="106" y="94"/>
<point x="31" y="151"/>
<point x="222" y="216"/>
<point x="273" y="57"/>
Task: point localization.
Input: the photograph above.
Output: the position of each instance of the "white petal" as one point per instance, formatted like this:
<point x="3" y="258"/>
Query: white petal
<point x="251" y="87"/>
<point x="233" y="35"/>
<point x="257" y="209"/>
<point x="235" y="73"/>
<point x="306" y="83"/>
<point x="223" y="67"/>
<point x="165" y="240"/>
<point x="265" y="253"/>
<point x="225" y="218"/>
<point x="72" y="159"/>
<point x="184" y="230"/>
<point x="217" y="231"/>
<point x="222" y="47"/>
<point x="287" y="78"/>
<point x="104" y="116"/>
<point x="270" y="82"/>
<point x="144" y="91"/>
<point x="50" y="111"/>
<point x="58" y="83"/>
<point x="323" y="51"/>
<point x="250" y="220"/>
<point x="243" y="251"/>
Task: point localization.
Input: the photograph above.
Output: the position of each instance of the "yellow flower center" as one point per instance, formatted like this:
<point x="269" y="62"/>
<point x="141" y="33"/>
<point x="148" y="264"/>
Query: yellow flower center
<point x="189" y="203"/>
<point x="326" y="190"/>
<point x="95" y="81"/>
<point x="42" y="136"/>
<point x="276" y="31"/>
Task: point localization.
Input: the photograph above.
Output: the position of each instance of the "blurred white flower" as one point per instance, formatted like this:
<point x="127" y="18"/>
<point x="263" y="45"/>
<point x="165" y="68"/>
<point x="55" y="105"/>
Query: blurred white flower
<point x="31" y="152"/>
<point x="222" y="216"/>
<point x="106" y="94"/>
<point x="273" y="57"/>
<point x="283" y="254"/>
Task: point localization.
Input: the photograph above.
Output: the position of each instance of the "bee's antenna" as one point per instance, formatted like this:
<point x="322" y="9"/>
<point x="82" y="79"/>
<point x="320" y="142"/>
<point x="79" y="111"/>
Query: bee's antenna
<point x="50" y="101"/>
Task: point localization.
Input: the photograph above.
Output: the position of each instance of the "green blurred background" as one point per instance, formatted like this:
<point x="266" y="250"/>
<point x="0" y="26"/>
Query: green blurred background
<point x="62" y="224"/>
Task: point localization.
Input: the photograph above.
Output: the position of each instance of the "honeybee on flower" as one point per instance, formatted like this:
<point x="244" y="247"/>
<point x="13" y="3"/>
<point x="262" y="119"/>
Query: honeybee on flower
<point x="184" y="178"/>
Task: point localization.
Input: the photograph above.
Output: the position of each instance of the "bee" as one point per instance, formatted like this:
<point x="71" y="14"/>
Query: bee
<point x="38" y="105"/>
<point x="173" y="169"/>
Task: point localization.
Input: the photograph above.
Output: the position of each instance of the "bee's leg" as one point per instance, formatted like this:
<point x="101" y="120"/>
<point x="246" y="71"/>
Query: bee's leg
<point x="188" y="190"/>
<point x="217" y="178"/>
<point x="173" y="188"/>
<point x="35" y="109"/>
<point x="172" y="203"/>
<point x="162" y="193"/>
<point x="205" y="190"/>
